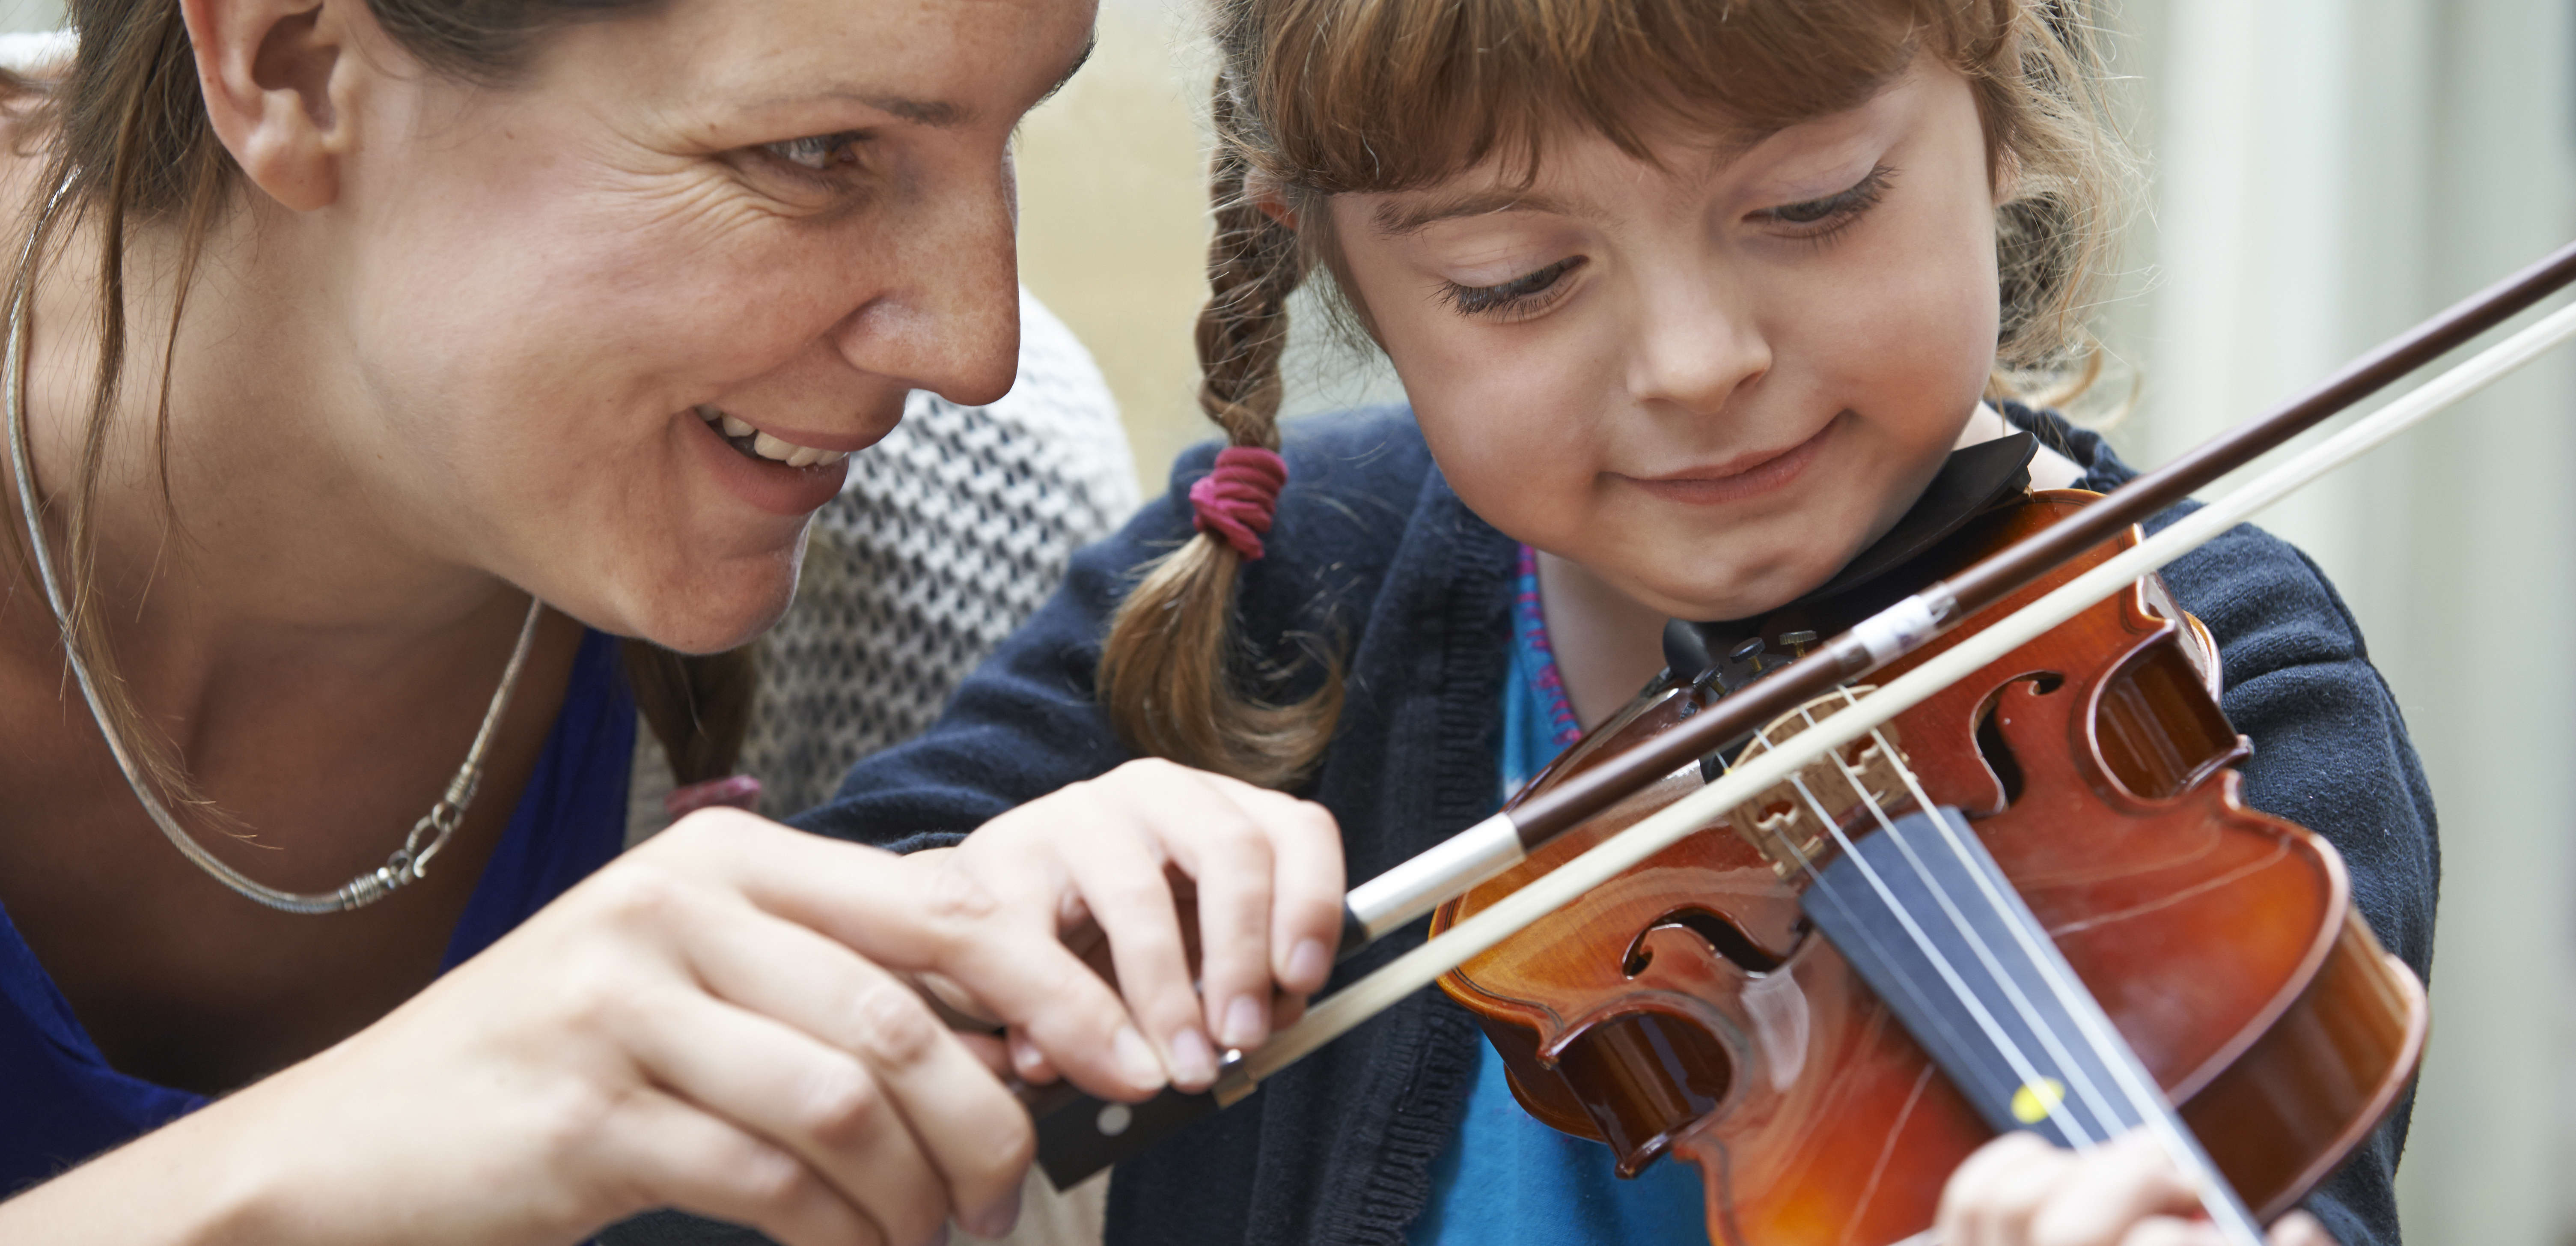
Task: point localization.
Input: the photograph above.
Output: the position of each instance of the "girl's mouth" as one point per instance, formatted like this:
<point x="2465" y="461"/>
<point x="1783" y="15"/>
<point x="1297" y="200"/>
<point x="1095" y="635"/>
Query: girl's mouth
<point x="756" y="444"/>
<point x="1738" y="480"/>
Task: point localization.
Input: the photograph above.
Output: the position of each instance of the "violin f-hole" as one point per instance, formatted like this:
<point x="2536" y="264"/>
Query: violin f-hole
<point x="1721" y="934"/>
<point x="1996" y="751"/>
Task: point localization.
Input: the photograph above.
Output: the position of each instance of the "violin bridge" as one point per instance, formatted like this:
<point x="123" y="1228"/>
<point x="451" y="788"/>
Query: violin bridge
<point x="1781" y="822"/>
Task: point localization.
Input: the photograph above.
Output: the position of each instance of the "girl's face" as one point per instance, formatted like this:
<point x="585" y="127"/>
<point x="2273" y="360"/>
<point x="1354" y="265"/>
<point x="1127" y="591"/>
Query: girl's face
<point x="1714" y="382"/>
<point x="557" y="298"/>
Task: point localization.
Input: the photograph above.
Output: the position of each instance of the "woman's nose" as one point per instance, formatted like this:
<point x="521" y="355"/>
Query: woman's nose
<point x="1697" y="346"/>
<point x="947" y="317"/>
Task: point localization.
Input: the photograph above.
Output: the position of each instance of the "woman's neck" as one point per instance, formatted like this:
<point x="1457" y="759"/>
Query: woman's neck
<point x="1607" y="644"/>
<point x="276" y="540"/>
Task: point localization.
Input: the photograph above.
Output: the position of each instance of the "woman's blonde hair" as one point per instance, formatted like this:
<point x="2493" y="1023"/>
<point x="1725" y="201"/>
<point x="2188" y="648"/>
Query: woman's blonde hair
<point x="1322" y="97"/>
<point x="124" y="132"/>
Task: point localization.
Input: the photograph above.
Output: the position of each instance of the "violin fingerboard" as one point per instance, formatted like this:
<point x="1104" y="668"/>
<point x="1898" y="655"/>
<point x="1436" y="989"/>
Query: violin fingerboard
<point x="1929" y="921"/>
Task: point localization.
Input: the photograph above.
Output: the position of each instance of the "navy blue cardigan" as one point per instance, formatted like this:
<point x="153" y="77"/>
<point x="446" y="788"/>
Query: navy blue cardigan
<point x="1374" y="554"/>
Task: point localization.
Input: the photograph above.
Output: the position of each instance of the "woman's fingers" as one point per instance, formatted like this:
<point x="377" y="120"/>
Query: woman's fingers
<point x="928" y="915"/>
<point x="702" y="1165"/>
<point x="941" y="1086"/>
<point x="803" y="1096"/>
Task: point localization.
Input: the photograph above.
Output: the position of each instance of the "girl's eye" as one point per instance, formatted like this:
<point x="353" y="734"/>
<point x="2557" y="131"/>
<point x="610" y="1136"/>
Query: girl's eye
<point x="1513" y="295"/>
<point x="1819" y="218"/>
<point x="819" y="153"/>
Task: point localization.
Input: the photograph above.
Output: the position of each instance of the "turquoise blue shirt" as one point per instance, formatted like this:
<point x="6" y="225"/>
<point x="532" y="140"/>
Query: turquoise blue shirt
<point x="1508" y="1180"/>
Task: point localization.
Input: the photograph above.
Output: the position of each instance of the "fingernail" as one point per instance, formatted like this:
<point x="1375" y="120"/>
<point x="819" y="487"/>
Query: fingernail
<point x="1024" y="1056"/>
<point x="1244" y="1026"/>
<point x="1308" y="963"/>
<point x="1193" y="1063"/>
<point x="1136" y="1060"/>
<point x="997" y="1219"/>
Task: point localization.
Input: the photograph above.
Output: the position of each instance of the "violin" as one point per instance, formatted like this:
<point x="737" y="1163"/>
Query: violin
<point x="1704" y="1006"/>
<point x="1820" y="936"/>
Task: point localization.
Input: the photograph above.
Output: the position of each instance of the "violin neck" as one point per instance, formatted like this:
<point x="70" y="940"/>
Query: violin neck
<point x="1926" y="917"/>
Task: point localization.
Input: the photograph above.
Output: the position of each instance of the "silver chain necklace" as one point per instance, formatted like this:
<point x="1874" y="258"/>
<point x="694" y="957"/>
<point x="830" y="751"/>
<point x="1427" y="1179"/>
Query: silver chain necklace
<point x="408" y="863"/>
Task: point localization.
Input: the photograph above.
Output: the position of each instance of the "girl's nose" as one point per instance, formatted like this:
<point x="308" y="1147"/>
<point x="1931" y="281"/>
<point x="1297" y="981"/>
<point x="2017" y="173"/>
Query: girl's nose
<point x="947" y="317"/>
<point x="1695" y="347"/>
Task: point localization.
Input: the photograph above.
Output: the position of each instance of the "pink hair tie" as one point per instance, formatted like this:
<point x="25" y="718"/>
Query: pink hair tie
<point x="739" y="791"/>
<point x="1235" y="502"/>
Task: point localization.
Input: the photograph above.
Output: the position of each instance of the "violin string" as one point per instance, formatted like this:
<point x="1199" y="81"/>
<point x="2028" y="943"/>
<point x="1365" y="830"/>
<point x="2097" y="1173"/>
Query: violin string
<point x="2078" y="1080"/>
<point x="2023" y="1066"/>
<point x="2154" y="1111"/>
<point x="2003" y="1042"/>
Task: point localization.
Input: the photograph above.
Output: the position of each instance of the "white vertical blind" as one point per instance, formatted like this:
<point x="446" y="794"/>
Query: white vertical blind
<point x="2328" y="172"/>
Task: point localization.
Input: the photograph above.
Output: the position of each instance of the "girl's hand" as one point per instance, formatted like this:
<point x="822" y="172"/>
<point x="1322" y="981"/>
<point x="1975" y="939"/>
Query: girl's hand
<point x="2020" y="1191"/>
<point x="713" y="1022"/>
<point x="1173" y="867"/>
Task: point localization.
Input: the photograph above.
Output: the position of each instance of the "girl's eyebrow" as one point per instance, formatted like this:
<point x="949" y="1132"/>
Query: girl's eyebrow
<point x="1400" y="220"/>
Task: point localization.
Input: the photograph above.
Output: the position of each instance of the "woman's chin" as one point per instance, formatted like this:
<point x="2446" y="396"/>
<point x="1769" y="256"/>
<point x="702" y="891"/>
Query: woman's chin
<point x="705" y="613"/>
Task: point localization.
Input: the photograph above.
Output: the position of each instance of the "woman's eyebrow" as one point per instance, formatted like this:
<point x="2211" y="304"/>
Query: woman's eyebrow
<point x="937" y="114"/>
<point x="1399" y="220"/>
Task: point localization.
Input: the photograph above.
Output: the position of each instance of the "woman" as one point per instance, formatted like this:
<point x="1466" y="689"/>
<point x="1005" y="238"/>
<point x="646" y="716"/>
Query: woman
<point x="348" y="330"/>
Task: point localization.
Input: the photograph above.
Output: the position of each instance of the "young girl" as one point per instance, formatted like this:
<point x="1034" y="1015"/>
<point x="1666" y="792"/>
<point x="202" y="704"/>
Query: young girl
<point x="1690" y="299"/>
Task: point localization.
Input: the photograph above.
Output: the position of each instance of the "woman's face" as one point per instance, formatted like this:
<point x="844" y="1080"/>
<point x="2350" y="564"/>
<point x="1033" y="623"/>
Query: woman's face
<point x="589" y="313"/>
<point x="1711" y="382"/>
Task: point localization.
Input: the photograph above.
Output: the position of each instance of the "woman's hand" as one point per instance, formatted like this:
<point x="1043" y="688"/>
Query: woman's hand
<point x="2020" y="1191"/>
<point x="1172" y="867"/>
<point x="713" y="1022"/>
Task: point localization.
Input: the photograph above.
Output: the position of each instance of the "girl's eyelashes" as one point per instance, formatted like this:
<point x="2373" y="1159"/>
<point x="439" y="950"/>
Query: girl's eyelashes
<point x="1819" y="220"/>
<point x="1519" y="295"/>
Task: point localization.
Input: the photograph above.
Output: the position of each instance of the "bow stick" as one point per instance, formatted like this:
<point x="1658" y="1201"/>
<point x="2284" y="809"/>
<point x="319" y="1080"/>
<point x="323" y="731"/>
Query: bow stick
<point x="1079" y="1135"/>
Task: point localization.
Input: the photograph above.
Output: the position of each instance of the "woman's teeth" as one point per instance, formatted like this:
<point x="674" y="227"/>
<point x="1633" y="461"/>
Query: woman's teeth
<point x="739" y="434"/>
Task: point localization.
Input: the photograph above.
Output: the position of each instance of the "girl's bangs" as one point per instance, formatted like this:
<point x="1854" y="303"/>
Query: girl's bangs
<point x="1377" y="95"/>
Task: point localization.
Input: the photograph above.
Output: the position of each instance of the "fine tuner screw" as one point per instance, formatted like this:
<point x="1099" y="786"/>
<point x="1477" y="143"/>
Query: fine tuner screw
<point x="1798" y="642"/>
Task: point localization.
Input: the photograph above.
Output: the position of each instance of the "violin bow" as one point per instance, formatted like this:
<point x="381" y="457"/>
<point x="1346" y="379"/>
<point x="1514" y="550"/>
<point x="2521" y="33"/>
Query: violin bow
<point x="1078" y="1135"/>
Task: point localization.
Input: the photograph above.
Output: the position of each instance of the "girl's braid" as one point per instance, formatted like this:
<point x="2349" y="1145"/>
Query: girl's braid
<point x="1168" y="668"/>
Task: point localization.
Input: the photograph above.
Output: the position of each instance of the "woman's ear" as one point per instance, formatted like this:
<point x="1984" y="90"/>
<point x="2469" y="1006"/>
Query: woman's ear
<point x="278" y="76"/>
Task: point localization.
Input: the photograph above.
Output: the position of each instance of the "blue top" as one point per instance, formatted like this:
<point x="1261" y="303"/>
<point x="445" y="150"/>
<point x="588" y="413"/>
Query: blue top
<point x="1374" y="558"/>
<point x="60" y="1102"/>
<point x="1508" y="1180"/>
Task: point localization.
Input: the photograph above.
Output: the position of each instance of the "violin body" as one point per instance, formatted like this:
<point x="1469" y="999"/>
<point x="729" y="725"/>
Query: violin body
<point x="1688" y="1009"/>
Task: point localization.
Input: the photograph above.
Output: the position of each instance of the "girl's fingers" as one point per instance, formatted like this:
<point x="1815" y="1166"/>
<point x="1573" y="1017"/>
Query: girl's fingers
<point x="803" y="1096"/>
<point x="1207" y="832"/>
<point x="2109" y="1189"/>
<point x="1989" y="1200"/>
<point x="679" y="1156"/>
<point x="2299" y="1229"/>
<point x="1306" y="899"/>
<point x="972" y="1131"/>
<point x="928" y="915"/>
<point x="1121" y="877"/>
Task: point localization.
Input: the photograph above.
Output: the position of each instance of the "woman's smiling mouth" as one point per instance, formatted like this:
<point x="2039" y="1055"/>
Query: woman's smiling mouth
<point x="771" y="472"/>
<point x="1746" y="476"/>
<point x="739" y="434"/>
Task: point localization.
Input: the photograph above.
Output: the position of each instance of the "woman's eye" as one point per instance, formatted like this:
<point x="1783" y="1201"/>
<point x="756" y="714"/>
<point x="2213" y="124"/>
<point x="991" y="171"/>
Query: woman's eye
<point x="818" y="153"/>
<point x="1835" y="210"/>
<point x="1511" y="295"/>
